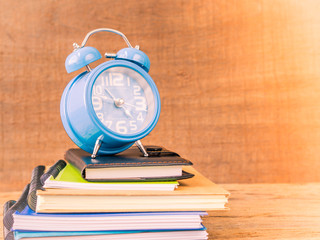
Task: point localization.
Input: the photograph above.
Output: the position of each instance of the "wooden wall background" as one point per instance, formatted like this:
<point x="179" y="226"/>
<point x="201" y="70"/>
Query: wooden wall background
<point x="239" y="81"/>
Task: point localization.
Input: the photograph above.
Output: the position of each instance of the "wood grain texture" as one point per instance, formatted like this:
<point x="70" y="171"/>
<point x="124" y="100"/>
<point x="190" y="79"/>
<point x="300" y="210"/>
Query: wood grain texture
<point x="268" y="211"/>
<point x="260" y="211"/>
<point x="239" y="81"/>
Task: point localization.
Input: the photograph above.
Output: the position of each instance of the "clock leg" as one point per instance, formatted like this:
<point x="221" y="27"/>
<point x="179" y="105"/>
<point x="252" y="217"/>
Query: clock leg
<point x="141" y="148"/>
<point x="97" y="147"/>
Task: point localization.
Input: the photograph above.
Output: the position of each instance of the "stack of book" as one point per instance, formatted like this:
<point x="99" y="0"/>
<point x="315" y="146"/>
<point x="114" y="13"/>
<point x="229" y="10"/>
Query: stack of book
<point x="125" y="196"/>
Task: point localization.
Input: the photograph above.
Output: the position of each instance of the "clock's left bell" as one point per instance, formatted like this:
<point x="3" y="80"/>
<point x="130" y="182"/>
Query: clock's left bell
<point x="81" y="57"/>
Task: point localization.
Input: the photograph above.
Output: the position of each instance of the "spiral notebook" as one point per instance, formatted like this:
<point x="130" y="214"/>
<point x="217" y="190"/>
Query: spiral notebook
<point x="194" y="194"/>
<point x="25" y="223"/>
<point x="70" y="178"/>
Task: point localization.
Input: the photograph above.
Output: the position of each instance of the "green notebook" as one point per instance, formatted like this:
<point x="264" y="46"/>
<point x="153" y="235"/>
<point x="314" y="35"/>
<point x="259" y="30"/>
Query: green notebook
<point x="70" y="177"/>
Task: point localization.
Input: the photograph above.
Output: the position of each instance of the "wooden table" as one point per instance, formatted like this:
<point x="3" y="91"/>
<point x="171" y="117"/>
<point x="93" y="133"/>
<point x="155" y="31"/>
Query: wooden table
<point x="261" y="211"/>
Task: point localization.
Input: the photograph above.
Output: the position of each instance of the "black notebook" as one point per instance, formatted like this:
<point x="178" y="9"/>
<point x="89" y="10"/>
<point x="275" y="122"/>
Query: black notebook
<point x="130" y="165"/>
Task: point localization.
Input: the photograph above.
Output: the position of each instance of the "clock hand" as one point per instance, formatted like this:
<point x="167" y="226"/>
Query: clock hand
<point x="131" y="105"/>
<point x="107" y="99"/>
<point x="106" y="89"/>
<point x="127" y="112"/>
<point x="119" y="103"/>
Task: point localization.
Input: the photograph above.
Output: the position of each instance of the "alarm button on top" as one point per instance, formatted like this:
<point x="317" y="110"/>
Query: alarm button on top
<point x="81" y="57"/>
<point x="134" y="55"/>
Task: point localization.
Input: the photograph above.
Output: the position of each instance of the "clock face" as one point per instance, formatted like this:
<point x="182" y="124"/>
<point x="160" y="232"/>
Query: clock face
<point x="123" y="100"/>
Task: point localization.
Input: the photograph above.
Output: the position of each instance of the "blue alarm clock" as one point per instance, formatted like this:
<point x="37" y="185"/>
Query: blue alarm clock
<point x="108" y="108"/>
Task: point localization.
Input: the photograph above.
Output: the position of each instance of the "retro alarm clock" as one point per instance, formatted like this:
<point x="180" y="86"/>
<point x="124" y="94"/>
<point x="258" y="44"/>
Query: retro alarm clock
<point x="106" y="109"/>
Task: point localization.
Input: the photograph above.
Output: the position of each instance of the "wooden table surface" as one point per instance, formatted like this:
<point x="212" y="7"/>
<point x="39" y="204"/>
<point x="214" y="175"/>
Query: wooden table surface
<point x="261" y="211"/>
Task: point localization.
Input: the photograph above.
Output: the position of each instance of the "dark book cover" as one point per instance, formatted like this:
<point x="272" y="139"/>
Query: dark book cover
<point x="132" y="157"/>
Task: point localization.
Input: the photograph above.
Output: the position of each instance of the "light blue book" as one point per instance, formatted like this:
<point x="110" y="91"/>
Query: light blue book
<point x="105" y="235"/>
<point x="27" y="219"/>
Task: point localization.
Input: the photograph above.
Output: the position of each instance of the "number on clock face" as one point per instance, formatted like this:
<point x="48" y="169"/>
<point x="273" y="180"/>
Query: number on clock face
<point x="123" y="100"/>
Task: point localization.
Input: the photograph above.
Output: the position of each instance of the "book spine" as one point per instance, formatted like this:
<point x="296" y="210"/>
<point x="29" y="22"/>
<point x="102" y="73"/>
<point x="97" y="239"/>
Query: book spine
<point x="77" y="162"/>
<point x="7" y="233"/>
<point x="53" y="171"/>
<point x="9" y="209"/>
<point x="28" y="196"/>
<point x="39" y="177"/>
<point x="35" y="185"/>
